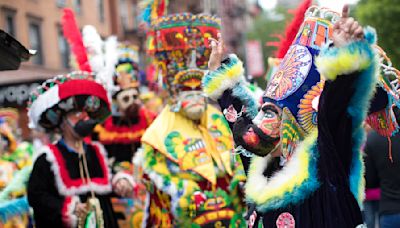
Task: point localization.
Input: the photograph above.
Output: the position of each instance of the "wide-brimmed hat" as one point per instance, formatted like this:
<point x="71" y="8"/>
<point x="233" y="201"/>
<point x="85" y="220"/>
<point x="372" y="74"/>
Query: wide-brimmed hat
<point x="65" y="93"/>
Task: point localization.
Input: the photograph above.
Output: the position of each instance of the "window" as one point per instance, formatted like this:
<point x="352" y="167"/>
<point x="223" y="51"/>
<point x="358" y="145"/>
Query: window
<point x="135" y="16"/>
<point x="35" y="41"/>
<point x="60" y="3"/>
<point x="10" y="25"/>
<point x="100" y="7"/>
<point x="64" y="48"/>
<point x="78" y="6"/>
<point x="123" y="8"/>
<point x="9" y="21"/>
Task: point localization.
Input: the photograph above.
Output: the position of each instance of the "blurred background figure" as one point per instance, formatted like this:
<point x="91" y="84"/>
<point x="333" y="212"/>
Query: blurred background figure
<point x="382" y="169"/>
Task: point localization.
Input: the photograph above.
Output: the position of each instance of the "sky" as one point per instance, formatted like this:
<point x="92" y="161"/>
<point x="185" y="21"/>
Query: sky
<point x="332" y="4"/>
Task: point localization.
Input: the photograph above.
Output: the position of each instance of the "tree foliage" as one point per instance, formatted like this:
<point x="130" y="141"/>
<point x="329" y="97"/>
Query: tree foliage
<point x="384" y="16"/>
<point x="265" y="28"/>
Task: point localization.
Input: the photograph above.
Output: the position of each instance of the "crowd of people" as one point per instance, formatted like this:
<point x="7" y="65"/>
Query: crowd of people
<point x="304" y="153"/>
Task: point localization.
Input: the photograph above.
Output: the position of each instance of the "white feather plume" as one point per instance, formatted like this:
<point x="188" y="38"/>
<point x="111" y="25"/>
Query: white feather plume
<point x="94" y="48"/>
<point x="111" y="60"/>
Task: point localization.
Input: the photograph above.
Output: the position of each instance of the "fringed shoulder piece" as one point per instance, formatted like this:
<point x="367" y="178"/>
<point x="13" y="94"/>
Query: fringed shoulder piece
<point x="355" y="56"/>
<point x="224" y="78"/>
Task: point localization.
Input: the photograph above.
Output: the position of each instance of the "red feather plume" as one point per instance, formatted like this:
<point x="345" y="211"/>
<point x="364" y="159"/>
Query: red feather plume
<point x="292" y="28"/>
<point x="74" y="38"/>
<point x="162" y="8"/>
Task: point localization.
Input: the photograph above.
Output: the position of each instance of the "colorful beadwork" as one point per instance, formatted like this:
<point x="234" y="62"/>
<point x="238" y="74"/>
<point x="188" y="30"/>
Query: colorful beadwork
<point x="308" y="107"/>
<point x="291" y="73"/>
<point x="285" y="220"/>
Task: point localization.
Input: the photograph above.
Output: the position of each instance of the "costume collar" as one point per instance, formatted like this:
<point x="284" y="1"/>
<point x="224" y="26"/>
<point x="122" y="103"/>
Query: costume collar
<point x="293" y="183"/>
<point x="68" y="186"/>
<point x="193" y="147"/>
<point x="110" y="133"/>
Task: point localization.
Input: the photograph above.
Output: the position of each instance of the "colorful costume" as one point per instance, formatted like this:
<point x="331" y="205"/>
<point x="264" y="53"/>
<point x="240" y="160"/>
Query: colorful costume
<point x="191" y="176"/>
<point x="116" y="66"/>
<point x="121" y="132"/>
<point x="61" y="177"/>
<point x="16" y="164"/>
<point x="317" y="182"/>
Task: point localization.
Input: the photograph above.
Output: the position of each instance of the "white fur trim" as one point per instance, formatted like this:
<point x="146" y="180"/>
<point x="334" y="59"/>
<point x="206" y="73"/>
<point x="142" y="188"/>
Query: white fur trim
<point x="257" y="182"/>
<point x="104" y="154"/>
<point x="84" y="188"/>
<point x="70" y="218"/>
<point x="228" y="82"/>
<point x="138" y="158"/>
<point x="41" y="104"/>
<point x="256" y="179"/>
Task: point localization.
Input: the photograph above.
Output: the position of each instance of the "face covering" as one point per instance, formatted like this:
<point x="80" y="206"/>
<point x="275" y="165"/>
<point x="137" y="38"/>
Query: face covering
<point x="252" y="138"/>
<point x="83" y="128"/>
<point x="193" y="104"/>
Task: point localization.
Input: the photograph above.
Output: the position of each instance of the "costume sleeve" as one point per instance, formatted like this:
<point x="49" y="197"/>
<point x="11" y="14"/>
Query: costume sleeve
<point x="44" y="198"/>
<point x="155" y="167"/>
<point x="351" y="74"/>
<point x="228" y="87"/>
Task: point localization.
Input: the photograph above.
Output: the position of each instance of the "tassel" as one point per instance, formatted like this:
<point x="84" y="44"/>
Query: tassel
<point x="390" y="149"/>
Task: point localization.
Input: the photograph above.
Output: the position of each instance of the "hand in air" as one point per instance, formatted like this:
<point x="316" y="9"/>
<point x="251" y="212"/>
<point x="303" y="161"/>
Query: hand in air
<point x="217" y="52"/>
<point x="346" y="29"/>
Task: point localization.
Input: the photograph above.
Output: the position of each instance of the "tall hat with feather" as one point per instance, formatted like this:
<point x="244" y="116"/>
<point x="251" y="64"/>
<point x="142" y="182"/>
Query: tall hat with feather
<point x="65" y="93"/>
<point x="76" y="91"/>
<point x="179" y="44"/>
<point x="114" y="63"/>
<point x="286" y="40"/>
<point x="296" y="85"/>
<point x="127" y="66"/>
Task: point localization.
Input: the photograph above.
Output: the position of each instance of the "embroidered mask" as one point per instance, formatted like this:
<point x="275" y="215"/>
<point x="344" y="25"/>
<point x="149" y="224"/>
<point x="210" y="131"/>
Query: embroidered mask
<point x="193" y="104"/>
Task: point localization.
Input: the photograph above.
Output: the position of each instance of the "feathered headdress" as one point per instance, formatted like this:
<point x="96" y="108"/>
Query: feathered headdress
<point x="152" y="9"/>
<point x="291" y="29"/>
<point x="296" y="85"/>
<point x="382" y="117"/>
<point x="74" y="38"/>
<point x="91" y="53"/>
<point x="179" y="44"/>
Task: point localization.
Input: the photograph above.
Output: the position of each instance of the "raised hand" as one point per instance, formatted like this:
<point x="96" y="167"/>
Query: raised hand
<point x="123" y="188"/>
<point x="346" y="29"/>
<point x="217" y="52"/>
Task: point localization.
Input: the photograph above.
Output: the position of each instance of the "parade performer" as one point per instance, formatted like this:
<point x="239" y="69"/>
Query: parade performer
<point x="17" y="152"/>
<point x="121" y="132"/>
<point x="116" y="65"/>
<point x="71" y="183"/>
<point x="383" y="117"/>
<point x="309" y="130"/>
<point x="192" y="178"/>
<point x="15" y="163"/>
